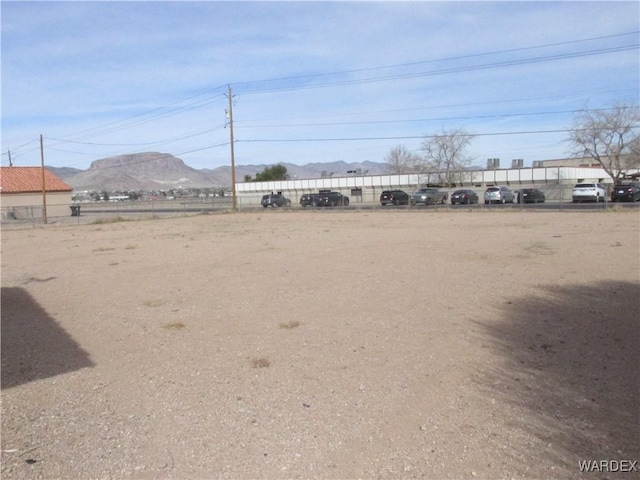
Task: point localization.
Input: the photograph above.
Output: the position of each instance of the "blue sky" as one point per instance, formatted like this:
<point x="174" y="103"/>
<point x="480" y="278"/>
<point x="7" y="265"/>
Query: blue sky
<point x="311" y="81"/>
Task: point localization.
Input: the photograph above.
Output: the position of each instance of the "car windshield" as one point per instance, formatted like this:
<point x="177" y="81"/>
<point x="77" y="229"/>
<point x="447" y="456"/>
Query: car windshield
<point x="493" y="189"/>
<point x="585" y="185"/>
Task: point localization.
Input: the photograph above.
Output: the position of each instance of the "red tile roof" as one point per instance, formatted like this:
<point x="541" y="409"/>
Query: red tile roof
<point x="29" y="180"/>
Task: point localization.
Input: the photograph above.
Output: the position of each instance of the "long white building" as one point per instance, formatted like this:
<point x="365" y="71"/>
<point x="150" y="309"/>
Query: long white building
<point x="555" y="181"/>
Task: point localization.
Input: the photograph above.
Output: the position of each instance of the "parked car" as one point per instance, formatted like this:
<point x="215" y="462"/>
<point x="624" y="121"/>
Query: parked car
<point x="308" y="200"/>
<point x="394" y="197"/>
<point x="464" y="196"/>
<point x="275" y="200"/>
<point x="588" y="192"/>
<point x="498" y="195"/>
<point x="531" y="195"/>
<point x="327" y="198"/>
<point x="625" y="192"/>
<point x="428" y="196"/>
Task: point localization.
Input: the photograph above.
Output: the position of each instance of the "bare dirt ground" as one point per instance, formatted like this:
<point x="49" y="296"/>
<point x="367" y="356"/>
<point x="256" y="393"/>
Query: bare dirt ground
<point x="273" y="345"/>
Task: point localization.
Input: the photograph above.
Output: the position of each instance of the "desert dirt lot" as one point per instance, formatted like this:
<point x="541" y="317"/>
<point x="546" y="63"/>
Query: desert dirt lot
<point x="317" y="344"/>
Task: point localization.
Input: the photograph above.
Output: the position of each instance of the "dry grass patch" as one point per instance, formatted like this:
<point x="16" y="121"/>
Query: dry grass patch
<point x="155" y="303"/>
<point x="174" y="326"/>
<point x="103" y="249"/>
<point x="540" y="248"/>
<point x="260" y="363"/>
<point x="100" y="221"/>
<point x="291" y="324"/>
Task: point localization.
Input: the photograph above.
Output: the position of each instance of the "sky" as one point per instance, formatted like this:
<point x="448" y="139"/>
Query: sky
<point x="309" y="81"/>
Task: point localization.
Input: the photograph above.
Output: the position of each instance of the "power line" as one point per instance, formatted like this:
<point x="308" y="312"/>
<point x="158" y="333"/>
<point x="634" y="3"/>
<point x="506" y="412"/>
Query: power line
<point x="423" y="62"/>
<point x="247" y="124"/>
<point x="114" y="126"/>
<point x="463" y="69"/>
<point x="169" y="140"/>
<point x="419" y="120"/>
<point x="206" y="98"/>
<point x="406" y="137"/>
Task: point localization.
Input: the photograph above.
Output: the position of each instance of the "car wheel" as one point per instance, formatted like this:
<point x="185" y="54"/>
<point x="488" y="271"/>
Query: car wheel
<point x="275" y="205"/>
<point x="504" y="200"/>
<point x="288" y="204"/>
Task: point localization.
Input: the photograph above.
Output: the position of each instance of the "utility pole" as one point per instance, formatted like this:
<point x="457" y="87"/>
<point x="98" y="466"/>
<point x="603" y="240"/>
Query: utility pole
<point x="9" y="152"/>
<point x="44" y="188"/>
<point x="233" y="160"/>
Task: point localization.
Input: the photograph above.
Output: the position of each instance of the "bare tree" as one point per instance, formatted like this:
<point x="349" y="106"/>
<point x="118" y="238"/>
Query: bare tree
<point x="445" y="154"/>
<point x="401" y="160"/>
<point x="634" y="152"/>
<point x="608" y="136"/>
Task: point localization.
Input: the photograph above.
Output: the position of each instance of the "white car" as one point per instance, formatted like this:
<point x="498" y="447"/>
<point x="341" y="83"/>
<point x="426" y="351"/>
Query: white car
<point x="589" y="192"/>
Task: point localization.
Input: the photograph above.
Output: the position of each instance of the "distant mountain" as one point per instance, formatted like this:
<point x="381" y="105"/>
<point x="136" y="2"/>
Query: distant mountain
<point x="138" y="171"/>
<point x="64" y="172"/>
<point x="163" y="171"/>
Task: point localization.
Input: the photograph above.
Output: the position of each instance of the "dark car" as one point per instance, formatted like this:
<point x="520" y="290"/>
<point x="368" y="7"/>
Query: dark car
<point x="531" y="195"/>
<point x="327" y="198"/>
<point x="625" y="192"/>
<point x="394" y="197"/>
<point x="464" y="197"/>
<point x="308" y="200"/>
<point x="324" y="198"/>
<point x="275" y="200"/>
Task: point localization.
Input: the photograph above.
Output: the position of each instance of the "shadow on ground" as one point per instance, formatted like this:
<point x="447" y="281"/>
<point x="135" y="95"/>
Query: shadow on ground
<point x="570" y="367"/>
<point x="33" y="345"/>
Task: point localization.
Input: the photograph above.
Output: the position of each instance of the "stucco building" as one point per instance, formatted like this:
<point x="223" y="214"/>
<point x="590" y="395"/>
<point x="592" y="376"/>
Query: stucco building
<point x="25" y="192"/>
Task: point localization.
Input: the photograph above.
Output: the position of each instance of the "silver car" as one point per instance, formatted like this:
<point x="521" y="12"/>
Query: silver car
<point x="498" y="195"/>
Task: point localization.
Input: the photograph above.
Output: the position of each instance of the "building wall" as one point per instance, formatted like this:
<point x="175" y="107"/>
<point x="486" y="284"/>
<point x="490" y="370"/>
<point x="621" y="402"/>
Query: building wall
<point x="557" y="183"/>
<point x="29" y="205"/>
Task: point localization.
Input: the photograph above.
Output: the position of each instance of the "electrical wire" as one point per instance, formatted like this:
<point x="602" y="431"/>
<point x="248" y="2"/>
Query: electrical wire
<point x="209" y="97"/>
<point x="444" y="71"/>
<point x="459" y="57"/>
